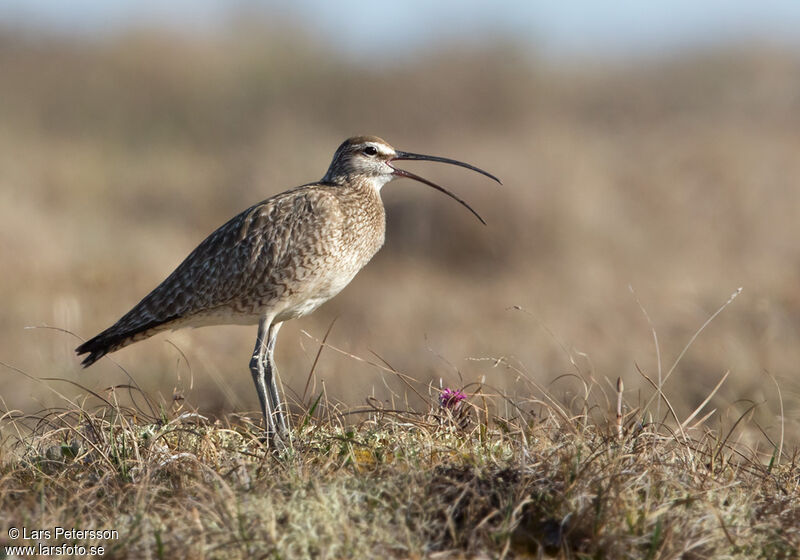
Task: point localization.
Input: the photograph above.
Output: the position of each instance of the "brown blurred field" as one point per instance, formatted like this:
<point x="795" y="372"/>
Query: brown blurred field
<point x="676" y="176"/>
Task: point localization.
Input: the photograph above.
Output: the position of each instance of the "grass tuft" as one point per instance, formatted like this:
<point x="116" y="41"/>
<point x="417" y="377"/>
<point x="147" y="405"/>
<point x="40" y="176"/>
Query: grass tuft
<point x="557" y="480"/>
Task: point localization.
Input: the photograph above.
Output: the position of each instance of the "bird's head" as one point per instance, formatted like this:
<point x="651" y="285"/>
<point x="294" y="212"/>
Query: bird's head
<point x="371" y="158"/>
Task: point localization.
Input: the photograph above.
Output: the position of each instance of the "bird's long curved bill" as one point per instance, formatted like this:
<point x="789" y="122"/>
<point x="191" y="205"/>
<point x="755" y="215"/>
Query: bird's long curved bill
<point x="422" y="157"/>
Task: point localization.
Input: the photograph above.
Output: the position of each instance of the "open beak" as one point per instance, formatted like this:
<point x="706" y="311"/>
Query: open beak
<point x="402" y="173"/>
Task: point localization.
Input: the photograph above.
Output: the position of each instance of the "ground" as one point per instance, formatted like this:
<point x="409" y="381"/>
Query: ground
<point x="456" y="481"/>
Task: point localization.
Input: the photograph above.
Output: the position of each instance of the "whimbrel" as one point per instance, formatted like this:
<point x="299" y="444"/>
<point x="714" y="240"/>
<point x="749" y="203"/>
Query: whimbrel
<point x="277" y="260"/>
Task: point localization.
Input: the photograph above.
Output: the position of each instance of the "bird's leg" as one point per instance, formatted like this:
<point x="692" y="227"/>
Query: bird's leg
<point x="257" y="370"/>
<point x="271" y="381"/>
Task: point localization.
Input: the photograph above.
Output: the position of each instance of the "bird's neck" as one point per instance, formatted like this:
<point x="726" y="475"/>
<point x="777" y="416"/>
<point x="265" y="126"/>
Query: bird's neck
<point x="365" y="217"/>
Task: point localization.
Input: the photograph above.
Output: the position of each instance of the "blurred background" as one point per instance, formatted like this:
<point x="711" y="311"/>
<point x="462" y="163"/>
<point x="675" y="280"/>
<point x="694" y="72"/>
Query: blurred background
<point x="650" y="155"/>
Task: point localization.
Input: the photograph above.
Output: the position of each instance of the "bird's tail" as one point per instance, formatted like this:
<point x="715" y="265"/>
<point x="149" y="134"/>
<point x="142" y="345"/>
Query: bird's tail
<point x="115" y="337"/>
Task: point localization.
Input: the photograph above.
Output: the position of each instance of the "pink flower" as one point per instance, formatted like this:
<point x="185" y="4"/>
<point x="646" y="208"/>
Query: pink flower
<point x="450" y="398"/>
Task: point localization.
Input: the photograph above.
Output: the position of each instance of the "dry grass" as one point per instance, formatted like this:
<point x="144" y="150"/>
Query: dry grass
<point x="545" y="479"/>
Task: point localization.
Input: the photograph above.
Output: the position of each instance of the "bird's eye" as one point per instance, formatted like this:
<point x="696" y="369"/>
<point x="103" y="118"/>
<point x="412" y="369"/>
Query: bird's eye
<point x="370" y="151"/>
